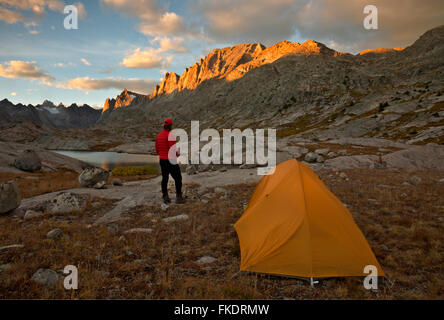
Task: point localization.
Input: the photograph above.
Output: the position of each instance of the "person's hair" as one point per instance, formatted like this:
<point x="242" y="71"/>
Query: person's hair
<point x="167" y="127"/>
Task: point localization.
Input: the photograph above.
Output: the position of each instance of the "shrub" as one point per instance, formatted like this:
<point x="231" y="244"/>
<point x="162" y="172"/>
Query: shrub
<point x="134" y="171"/>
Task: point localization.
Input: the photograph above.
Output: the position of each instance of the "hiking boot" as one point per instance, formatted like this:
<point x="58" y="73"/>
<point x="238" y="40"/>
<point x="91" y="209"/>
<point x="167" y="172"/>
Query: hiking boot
<point x="166" y="199"/>
<point x="179" y="199"/>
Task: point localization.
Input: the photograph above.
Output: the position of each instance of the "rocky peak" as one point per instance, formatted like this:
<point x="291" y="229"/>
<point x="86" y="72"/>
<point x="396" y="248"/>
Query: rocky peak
<point x="48" y="103"/>
<point x="5" y="101"/>
<point x="216" y="64"/>
<point x="108" y="105"/>
<point x="314" y="47"/>
<point x="381" y="50"/>
<point x="124" y="98"/>
<point x="233" y="62"/>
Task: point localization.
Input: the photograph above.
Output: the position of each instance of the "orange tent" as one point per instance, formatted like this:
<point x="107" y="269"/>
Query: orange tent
<point x="295" y="226"/>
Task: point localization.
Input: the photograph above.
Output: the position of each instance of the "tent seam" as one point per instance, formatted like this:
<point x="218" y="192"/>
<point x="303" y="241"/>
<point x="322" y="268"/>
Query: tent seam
<point x="306" y="214"/>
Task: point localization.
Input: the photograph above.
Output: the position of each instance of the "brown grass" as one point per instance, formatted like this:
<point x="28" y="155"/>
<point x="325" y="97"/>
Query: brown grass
<point x="34" y="184"/>
<point x="400" y="222"/>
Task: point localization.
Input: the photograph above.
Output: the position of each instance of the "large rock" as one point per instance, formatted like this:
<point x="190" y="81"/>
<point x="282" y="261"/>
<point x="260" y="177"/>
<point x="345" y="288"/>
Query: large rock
<point x="65" y="203"/>
<point x="191" y="169"/>
<point x="9" y="196"/>
<point x="206" y="260"/>
<point x="311" y="157"/>
<point x="93" y="177"/>
<point x="55" y="234"/>
<point x="181" y="217"/>
<point x="46" y="277"/>
<point x="28" y="161"/>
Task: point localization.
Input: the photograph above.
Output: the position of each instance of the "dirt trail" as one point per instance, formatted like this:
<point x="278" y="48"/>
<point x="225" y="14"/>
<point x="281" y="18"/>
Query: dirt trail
<point x="147" y="192"/>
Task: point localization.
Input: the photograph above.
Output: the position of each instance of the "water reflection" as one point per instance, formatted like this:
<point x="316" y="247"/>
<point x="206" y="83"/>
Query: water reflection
<point x="110" y="160"/>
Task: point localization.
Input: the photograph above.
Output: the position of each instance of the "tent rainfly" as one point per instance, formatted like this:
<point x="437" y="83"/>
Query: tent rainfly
<point x="294" y="226"/>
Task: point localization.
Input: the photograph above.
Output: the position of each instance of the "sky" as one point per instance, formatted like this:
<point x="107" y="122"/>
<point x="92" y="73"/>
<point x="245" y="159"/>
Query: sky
<point x="132" y="43"/>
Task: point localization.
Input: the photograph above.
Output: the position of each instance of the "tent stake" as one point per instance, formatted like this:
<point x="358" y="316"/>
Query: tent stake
<point x="312" y="283"/>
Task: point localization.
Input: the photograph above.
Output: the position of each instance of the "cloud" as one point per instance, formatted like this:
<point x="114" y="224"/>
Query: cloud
<point x="81" y="10"/>
<point x="22" y="69"/>
<point x="248" y="20"/>
<point x="63" y="65"/>
<point x="151" y="58"/>
<point x="132" y="84"/>
<point x="14" y="94"/>
<point x="85" y="62"/>
<point x="153" y="20"/>
<point x="146" y="59"/>
<point x="10" y="16"/>
<point x="173" y="45"/>
<point x="35" y="9"/>
<point x="338" y="22"/>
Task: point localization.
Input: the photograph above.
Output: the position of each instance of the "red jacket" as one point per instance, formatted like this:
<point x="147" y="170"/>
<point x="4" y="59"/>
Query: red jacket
<point x="163" y="145"/>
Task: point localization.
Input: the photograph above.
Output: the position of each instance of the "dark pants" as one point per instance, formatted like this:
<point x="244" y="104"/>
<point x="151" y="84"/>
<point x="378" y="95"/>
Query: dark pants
<point x="174" y="170"/>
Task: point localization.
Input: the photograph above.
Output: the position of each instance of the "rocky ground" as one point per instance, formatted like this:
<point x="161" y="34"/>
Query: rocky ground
<point x="126" y="244"/>
<point x="370" y="125"/>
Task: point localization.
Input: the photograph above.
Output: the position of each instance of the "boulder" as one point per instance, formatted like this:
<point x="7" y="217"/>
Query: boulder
<point x="311" y="157"/>
<point x="99" y="185"/>
<point x="30" y="214"/>
<point x="65" y="202"/>
<point x="54" y="234"/>
<point x="342" y="153"/>
<point x="415" y="180"/>
<point x="92" y="177"/>
<point x="320" y="159"/>
<point x="46" y="277"/>
<point x="181" y="217"/>
<point x="331" y="154"/>
<point x="322" y="152"/>
<point x="206" y="260"/>
<point x="191" y="169"/>
<point x="28" y="161"/>
<point x="9" y="196"/>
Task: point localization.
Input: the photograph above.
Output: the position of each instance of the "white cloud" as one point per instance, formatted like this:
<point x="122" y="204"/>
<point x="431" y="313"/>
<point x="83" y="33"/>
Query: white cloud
<point x="154" y="21"/>
<point x="10" y="16"/>
<point x="11" y="11"/>
<point x="248" y="20"/>
<point x="170" y="44"/>
<point x="22" y="69"/>
<point x="150" y="58"/>
<point x="329" y="21"/>
<point x="63" y="64"/>
<point x="85" y="62"/>
<point x="146" y="59"/>
<point x="132" y="84"/>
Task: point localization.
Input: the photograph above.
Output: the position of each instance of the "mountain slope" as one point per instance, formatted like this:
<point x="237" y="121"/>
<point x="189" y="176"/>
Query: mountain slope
<point x="48" y="114"/>
<point x="306" y="89"/>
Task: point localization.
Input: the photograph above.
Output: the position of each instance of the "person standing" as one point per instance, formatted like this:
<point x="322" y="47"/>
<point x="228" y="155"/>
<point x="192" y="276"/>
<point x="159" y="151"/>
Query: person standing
<point x="166" y="149"/>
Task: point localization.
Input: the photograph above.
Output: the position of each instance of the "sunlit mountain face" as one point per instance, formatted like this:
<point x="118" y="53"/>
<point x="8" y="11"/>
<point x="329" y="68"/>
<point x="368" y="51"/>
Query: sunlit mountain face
<point x="133" y="44"/>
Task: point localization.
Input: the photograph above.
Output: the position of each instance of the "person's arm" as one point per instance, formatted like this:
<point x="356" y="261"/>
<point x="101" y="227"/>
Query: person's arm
<point x="156" y="145"/>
